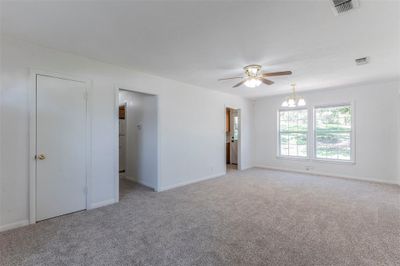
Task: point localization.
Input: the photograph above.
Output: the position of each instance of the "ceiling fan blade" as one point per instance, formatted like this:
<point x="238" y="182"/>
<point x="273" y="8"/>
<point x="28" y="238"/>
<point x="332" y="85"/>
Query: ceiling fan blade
<point x="267" y="81"/>
<point x="230" y="78"/>
<point x="240" y="83"/>
<point x="282" y="73"/>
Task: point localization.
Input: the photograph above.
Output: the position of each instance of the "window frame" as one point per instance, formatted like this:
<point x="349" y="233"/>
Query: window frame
<point x="279" y="154"/>
<point x="352" y="133"/>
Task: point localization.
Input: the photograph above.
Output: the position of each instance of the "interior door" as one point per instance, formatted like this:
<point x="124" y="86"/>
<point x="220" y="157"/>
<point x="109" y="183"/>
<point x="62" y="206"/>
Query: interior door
<point x="227" y="135"/>
<point x="60" y="146"/>
<point x="122" y="138"/>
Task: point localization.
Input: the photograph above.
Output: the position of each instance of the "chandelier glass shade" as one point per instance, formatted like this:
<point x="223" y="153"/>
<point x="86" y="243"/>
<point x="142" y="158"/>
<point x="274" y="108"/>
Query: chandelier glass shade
<point x="293" y="100"/>
<point x="252" y="82"/>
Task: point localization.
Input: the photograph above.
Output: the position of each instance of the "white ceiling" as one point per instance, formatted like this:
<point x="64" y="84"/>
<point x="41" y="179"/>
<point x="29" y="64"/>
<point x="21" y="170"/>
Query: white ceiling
<point x="198" y="42"/>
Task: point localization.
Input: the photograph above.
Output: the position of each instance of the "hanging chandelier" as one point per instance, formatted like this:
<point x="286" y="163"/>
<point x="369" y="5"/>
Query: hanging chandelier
<point x="293" y="100"/>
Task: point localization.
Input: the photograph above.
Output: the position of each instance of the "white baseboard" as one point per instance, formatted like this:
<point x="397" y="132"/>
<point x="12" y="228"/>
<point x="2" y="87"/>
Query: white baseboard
<point x="102" y="203"/>
<point x="13" y="225"/>
<point x="140" y="181"/>
<point x="190" y="182"/>
<point x="245" y="168"/>
<point x="129" y="178"/>
<point x="145" y="184"/>
<point x="26" y="222"/>
<point x="327" y="174"/>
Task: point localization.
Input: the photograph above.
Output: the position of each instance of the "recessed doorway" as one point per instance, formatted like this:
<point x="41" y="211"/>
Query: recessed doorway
<point x="137" y="140"/>
<point x="232" y="138"/>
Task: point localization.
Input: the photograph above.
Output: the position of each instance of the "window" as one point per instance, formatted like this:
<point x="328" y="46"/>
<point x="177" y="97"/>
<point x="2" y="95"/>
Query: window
<point x="293" y="131"/>
<point x="332" y="135"/>
<point x="333" y="132"/>
<point x="236" y="127"/>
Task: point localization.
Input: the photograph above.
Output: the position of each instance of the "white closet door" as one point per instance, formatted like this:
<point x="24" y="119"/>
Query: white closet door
<point x="60" y="147"/>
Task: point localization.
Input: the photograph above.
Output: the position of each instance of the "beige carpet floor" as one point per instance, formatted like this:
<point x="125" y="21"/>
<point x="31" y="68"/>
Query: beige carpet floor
<point x="252" y="217"/>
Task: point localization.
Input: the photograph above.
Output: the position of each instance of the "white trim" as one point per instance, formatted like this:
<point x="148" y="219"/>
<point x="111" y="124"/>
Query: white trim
<point x="245" y="168"/>
<point x="14" y="225"/>
<point x="327" y="174"/>
<point x="158" y="183"/>
<point x="32" y="147"/>
<point x="191" y="181"/>
<point x="102" y="203"/>
<point x="129" y="178"/>
<point x="89" y="104"/>
<point x="32" y="135"/>
<point x="116" y="144"/>
<point x="333" y="161"/>
<point x="294" y="158"/>
<point x="139" y="181"/>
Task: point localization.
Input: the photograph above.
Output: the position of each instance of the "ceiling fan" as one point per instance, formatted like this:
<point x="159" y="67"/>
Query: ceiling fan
<point x="253" y="76"/>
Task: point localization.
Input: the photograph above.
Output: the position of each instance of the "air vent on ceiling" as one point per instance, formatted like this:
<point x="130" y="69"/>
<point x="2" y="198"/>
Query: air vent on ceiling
<point x="342" y="6"/>
<point x="362" y="60"/>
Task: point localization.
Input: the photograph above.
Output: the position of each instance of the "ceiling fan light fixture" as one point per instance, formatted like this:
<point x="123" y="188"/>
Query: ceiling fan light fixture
<point x="253" y="77"/>
<point x="252" y="82"/>
<point x="252" y="70"/>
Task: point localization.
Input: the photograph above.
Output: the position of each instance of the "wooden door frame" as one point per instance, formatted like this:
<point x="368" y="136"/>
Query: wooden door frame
<point x="239" y="148"/>
<point x="32" y="94"/>
<point x="125" y="105"/>
<point x="227" y="130"/>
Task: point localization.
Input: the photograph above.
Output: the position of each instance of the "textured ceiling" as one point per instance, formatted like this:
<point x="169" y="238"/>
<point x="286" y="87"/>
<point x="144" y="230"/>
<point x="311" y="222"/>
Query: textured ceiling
<point x="200" y="41"/>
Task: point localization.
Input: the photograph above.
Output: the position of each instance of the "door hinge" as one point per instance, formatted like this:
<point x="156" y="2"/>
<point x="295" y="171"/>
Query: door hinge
<point x="85" y="189"/>
<point x="85" y="96"/>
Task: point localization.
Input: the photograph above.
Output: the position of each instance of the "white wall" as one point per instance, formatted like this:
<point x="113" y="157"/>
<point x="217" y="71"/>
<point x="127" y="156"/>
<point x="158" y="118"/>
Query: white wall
<point x="376" y="132"/>
<point x="141" y="137"/>
<point x="191" y="125"/>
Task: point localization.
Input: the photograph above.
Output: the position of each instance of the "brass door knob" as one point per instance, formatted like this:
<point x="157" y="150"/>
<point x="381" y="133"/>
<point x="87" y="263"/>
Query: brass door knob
<point x="41" y="157"/>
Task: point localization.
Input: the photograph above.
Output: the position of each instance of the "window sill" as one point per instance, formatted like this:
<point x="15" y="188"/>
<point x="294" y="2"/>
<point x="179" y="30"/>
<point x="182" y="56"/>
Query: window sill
<point x="308" y="159"/>
<point x="334" y="161"/>
<point x="294" y="158"/>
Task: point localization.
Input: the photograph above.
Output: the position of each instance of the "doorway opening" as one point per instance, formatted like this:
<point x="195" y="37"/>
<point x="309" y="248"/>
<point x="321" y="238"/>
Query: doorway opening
<point x="232" y="139"/>
<point x="138" y="135"/>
